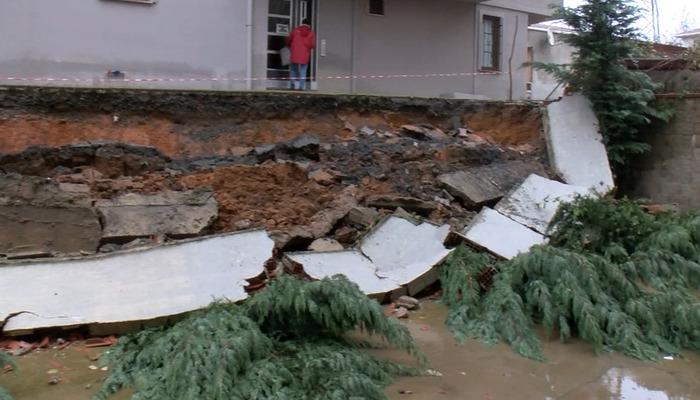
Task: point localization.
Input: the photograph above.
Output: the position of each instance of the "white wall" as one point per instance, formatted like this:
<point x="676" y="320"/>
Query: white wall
<point x="544" y="84"/>
<point x="85" y="38"/>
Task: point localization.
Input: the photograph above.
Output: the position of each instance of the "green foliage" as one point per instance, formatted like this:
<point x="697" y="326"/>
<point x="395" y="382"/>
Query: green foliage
<point x="623" y="99"/>
<point x="5" y="359"/>
<point x="287" y="342"/>
<point x="627" y="287"/>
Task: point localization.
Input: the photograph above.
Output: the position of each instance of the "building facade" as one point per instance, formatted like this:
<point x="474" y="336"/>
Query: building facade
<point x="396" y="47"/>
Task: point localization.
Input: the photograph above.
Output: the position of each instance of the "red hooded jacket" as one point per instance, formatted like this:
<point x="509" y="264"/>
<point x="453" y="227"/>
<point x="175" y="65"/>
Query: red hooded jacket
<point x="300" y="43"/>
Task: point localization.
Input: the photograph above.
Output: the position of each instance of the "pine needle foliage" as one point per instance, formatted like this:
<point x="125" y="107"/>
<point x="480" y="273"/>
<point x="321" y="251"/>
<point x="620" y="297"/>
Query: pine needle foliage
<point x="288" y="342"/>
<point x="5" y="359"/>
<point x="613" y="276"/>
<point x="606" y="36"/>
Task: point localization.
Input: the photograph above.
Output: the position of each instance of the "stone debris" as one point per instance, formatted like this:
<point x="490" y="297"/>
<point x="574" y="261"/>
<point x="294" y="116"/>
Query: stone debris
<point x="408" y="303"/>
<point x="326" y="244"/>
<point x="132" y="286"/>
<point x="401" y="313"/>
<point x="363" y="216"/>
<point x="38" y="218"/>
<point x="393" y="202"/>
<point x="170" y="213"/>
<point x="501" y="235"/>
<point x="352" y="263"/>
<point x="536" y="201"/>
<point x="576" y="148"/>
<point x="487" y="184"/>
<point x="424" y="132"/>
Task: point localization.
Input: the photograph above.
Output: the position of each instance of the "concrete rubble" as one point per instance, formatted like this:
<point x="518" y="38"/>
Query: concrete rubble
<point x="38" y="218"/>
<point x="387" y="260"/>
<point x="170" y="213"/>
<point x="576" y="148"/>
<point x="536" y="201"/>
<point x="501" y="235"/>
<point x="131" y="286"/>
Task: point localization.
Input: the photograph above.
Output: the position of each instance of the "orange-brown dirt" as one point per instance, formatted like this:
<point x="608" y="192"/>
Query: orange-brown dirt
<point x="507" y="127"/>
<point x="192" y="138"/>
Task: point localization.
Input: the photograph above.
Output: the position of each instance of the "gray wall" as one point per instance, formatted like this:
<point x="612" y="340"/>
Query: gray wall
<point x="669" y="173"/>
<point x="85" y="38"/>
<point x="498" y="86"/>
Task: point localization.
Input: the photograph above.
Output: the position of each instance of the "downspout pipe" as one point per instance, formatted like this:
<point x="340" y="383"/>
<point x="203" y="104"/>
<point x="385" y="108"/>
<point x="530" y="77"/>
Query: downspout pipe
<point x="249" y="53"/>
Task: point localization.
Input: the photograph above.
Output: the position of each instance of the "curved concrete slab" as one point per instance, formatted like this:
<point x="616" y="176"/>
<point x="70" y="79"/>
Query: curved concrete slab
<point x="132" y="286"/>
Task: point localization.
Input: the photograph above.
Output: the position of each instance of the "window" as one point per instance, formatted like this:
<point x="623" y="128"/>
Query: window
<point x="376" y="7"/>
<point x="491" y="44"/>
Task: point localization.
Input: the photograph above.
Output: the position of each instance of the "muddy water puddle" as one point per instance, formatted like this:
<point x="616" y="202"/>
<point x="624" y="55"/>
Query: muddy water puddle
<point x="468" y="371"/>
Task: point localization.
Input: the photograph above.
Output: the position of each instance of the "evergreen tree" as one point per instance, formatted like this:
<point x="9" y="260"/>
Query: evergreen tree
<point x="623" y="99"/>
<point x="614" y="276"/>
<point x="286" y="343"/>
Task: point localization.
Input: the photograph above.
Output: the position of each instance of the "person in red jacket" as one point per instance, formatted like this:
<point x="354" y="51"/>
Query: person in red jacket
<point x="300" y="42"/>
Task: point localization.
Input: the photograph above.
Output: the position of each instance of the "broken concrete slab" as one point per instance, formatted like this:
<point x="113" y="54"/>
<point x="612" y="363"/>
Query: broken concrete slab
<point x="37" y="217"/>
<point x="407" y="252"/>
<point x="352" y="264"/>
<point x="501" y="235"/>
<point x="576" y="148"/>
<point x="138" y="285"/>
<point x="486" y="184"/>
<point x="535" y="202"/>
<point x="424" y="132"/>
<point x="170" y="213"/>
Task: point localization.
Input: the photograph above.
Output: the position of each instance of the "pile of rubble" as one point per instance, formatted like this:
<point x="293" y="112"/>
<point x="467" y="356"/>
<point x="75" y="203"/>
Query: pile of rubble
<point x="375" y="201"/>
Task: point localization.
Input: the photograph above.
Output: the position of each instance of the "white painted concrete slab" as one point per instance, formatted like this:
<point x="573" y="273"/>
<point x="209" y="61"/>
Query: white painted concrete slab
<point x="405" y="252"/>
<point x="576" y="148"/>
<point x="353" y="264"/>
<point x="132" y="286"/>
<point x="501" y="235"/>
<point x="536" y="201"/>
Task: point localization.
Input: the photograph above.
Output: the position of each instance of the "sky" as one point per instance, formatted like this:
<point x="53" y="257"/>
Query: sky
<point x="673" y="14"/>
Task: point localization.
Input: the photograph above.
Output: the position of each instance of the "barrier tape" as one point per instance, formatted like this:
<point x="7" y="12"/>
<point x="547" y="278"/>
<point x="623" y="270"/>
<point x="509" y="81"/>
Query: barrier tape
<point x="183" y="80"/>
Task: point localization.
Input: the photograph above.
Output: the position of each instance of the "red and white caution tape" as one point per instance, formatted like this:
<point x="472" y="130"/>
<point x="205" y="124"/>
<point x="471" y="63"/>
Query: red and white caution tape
<point x="212" y="79"/>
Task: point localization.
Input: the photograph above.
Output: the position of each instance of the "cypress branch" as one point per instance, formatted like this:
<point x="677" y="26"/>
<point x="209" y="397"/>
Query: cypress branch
<point x="614" y="276"/>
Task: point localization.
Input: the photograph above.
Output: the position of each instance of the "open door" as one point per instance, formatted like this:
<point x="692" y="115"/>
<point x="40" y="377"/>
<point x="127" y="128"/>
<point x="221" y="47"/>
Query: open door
<point x="283" y="16"/>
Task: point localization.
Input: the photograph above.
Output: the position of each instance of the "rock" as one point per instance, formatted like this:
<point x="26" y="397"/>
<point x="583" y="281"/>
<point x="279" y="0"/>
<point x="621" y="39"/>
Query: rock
<point x="367" y="131"/>
<point x="347" y="235"/>
<point x="424" y="132"/>
<point x="392" y="202"/>
<point x="408" y="302"/>
<point x="325" y="220"/>
<point x="487" y="184"/>
<point x="363" y="216"/>
<point x="326" y="245"/>
<point x="243" y="224"/>
<point x="170" y="213"/>
<point x="54" y="380"/>
<point x="401" y="213"/>
<point x="37" y="217"/>
<point x="306" y="146"/>
<point x="265" y="153"/>
<point x="322" y="177"/>
<point x="401" y="313"/>
<point x="109" y="248"/>
<point x="472" y="189"/>
<point x="239" y="151"/>
<point x="74" y="187"/>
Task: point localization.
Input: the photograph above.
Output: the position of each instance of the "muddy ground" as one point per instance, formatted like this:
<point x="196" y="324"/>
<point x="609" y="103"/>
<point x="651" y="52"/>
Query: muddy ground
<point x="470" y="371"/>
<point x="272" y="161"/>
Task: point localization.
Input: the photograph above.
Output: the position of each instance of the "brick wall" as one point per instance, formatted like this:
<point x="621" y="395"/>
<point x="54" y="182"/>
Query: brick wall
<point x="671" y="172"/>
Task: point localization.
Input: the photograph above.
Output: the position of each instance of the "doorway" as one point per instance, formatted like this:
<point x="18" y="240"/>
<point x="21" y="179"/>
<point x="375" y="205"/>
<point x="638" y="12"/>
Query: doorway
<point x="283" y="16"/>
